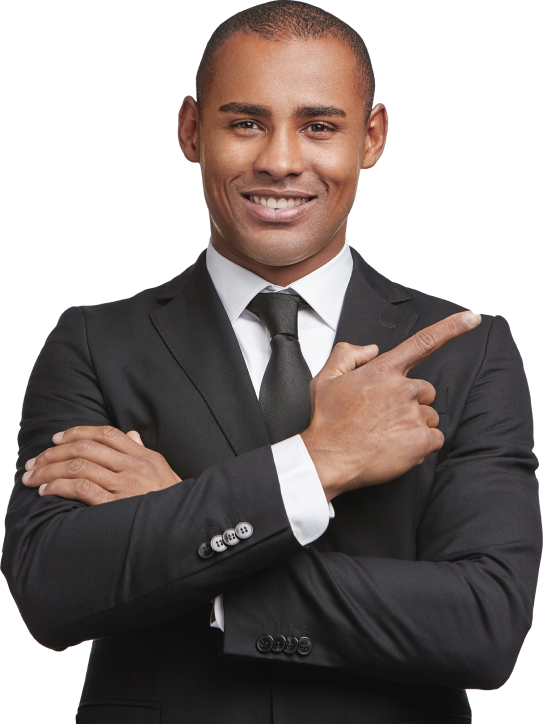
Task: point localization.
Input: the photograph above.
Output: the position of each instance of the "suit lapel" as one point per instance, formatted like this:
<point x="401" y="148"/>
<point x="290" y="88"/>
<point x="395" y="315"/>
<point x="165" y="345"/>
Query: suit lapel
<point x="196" y="329"/>
<point x="375" y="310"/>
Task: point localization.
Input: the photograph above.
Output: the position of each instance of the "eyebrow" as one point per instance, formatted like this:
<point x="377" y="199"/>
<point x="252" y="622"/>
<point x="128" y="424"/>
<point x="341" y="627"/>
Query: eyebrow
<point x="301" y="112"/>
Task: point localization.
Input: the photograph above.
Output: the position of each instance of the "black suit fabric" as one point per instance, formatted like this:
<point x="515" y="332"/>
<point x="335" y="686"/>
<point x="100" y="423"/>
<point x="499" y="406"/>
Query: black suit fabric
<point x="419" y="588"/>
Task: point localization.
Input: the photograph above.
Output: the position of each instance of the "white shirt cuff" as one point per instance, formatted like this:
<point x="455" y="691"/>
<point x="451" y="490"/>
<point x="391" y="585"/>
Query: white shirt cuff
<point x="217" y="614"/>
<point x="303" y="498"/>
<point x="301" y="489"/>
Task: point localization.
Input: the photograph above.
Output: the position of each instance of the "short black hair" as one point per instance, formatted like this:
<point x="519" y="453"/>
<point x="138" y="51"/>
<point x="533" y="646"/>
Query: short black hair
<point x="286" y="20"/>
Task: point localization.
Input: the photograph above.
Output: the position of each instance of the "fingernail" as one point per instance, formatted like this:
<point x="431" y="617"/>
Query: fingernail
<point x="57" y="437"/>
<point x="42" y="488"/>
<point x="26" y="476"/>
<point x="30" y="463"/>
<point x="472" y="319"/>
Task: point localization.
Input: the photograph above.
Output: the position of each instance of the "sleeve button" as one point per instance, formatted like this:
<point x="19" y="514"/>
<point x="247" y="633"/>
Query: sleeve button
<point x="278" y="644"/>
<point x="205" y="550"/>
<point x="304" y="646"/>
<point x="244" y="530"/>
<point x="264" y="643"/>
<point x="229" y="537"/>
<point x="217" y="543"/>
<point x="291" y="645"/>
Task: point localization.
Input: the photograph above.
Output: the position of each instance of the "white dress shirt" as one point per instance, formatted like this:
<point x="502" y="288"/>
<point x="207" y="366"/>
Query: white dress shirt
<point x="324" y="291"/>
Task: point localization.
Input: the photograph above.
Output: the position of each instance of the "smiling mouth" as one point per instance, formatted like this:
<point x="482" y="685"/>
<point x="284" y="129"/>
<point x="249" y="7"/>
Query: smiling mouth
<point x="282" y="203"/>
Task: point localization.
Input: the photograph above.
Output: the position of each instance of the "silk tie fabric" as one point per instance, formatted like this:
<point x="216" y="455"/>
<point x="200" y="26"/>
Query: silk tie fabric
<point x="284" y="392"/>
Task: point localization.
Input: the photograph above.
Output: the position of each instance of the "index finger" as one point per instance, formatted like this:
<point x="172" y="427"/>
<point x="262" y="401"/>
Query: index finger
<point x="424" y="343"/>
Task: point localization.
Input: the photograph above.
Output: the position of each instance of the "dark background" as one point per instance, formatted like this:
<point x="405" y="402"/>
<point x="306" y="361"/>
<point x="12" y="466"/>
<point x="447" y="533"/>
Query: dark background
<point x="110" y="207"/>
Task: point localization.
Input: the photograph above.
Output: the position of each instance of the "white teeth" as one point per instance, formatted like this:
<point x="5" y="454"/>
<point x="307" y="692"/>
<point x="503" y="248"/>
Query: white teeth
<point x="273" y="203"/>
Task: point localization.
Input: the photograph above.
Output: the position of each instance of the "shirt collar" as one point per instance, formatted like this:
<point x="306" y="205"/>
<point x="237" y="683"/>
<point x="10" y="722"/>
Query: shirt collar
<point x="324" y="289"/>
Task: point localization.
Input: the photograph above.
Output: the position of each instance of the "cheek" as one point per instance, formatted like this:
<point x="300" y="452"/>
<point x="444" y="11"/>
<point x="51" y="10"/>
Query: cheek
<point x="339" y="168"/>
<point x="223" y="162"/>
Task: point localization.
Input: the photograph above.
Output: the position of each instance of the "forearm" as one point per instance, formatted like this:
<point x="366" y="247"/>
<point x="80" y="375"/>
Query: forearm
<point x="81" y="572"/>
<point x="303" y="497"/>
<point x="455" y="609"/>
<point x="458" y="624"/>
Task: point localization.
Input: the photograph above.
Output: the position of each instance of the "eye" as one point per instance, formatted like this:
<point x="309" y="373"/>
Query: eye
<point x="246" y="125"/>
<point x="318" y="127"/>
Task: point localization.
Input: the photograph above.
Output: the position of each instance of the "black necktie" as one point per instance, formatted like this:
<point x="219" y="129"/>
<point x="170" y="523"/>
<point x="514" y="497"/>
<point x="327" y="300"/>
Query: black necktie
<point x="284" y="393"/>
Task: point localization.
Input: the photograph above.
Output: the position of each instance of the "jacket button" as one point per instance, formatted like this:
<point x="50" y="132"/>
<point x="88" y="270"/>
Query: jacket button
<point x="205" y="550"/>
<point x="264" y="643"/>
<point x="304" y="646"/>
<point x="244" y="530"/>
<point x="291" y="645"/>
<point x="217" y="543"/>
<point x="278" y="644"/>
<point x="230" y="538"/>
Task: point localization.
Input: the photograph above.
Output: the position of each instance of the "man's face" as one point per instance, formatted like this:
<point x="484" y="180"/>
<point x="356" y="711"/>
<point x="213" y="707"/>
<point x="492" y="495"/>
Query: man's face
<point x="281" y="142"/>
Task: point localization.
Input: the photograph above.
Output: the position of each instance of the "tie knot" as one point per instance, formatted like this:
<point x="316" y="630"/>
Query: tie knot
<point x="278" y="311"/>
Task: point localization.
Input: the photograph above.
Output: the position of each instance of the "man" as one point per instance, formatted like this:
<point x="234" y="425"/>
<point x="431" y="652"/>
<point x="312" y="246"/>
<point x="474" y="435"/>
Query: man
<point x="422" y="582"/>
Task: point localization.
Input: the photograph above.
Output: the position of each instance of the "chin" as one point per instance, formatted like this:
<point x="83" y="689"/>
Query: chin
<point x="280" y="250"/>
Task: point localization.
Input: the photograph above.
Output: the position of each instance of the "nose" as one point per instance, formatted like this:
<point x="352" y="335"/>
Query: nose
<point x="280" y="154"/>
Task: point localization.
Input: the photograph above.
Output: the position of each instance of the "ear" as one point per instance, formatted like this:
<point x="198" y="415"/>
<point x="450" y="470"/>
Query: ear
<point x="376" y="136"/>
<point x="187" y="130"/>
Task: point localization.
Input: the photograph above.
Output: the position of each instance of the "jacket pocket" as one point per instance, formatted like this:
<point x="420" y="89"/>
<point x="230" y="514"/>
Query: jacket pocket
<point x="118" y="711"/>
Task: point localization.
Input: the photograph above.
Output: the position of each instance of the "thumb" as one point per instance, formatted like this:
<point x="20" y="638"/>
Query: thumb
<point x="134" y="435"/>
<point x="347" y="357"/>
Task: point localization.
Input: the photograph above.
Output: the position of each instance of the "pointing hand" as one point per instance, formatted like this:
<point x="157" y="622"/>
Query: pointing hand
<point x="370" y="423"/>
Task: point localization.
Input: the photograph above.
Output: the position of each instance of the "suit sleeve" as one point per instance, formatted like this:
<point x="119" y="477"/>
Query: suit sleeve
<point x="79" y="572"/>
<point x="458" y="614"/>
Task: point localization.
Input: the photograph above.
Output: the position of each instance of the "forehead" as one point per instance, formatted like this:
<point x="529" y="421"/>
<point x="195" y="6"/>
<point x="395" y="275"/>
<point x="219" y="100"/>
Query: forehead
<point x="281" y="73"/>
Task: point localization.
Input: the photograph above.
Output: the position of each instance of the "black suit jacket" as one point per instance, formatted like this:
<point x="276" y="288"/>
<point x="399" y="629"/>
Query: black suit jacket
<point x="419" y="588"/>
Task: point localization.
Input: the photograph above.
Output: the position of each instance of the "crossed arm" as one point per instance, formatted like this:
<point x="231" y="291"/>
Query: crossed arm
<point x="367" y="611"/>
<point x="350" y="448"/>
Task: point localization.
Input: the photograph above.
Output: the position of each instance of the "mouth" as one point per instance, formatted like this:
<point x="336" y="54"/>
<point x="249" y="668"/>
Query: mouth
<point x="272" y="202"/>
<point x="278" y="208"/>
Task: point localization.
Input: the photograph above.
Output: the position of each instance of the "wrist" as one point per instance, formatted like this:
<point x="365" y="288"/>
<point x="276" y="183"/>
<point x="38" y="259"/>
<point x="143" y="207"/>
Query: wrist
<point x="323" y="460"/>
